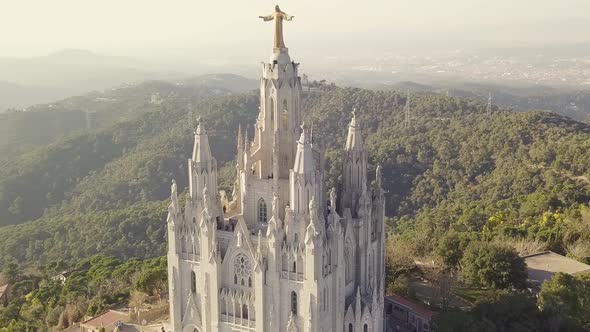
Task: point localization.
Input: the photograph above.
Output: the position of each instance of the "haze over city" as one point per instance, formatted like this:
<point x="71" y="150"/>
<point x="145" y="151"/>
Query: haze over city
<point x="29" y="28"/>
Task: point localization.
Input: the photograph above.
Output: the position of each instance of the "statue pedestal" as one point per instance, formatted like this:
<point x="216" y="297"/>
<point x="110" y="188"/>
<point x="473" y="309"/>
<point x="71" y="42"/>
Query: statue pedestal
<point x="280" y="55"/>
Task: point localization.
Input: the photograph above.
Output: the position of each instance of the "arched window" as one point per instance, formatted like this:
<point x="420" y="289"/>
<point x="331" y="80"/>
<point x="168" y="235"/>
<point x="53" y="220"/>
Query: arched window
<point x="235" y="279"/>
<point x="295" y="239"/>
<point x="350" y="328"/>
<point x="365" y="328"/>
<point x="262" y="212"/>
<point x="249" y="281"/>
<point x="294" y="303"/>
<point x="294" y="267"/>
<point x="245" y="311"/>
<point x="193" y="282"/>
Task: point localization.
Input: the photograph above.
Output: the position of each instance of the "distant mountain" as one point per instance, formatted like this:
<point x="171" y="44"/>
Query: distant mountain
<point x="16" y="95"/>
<point x="42" y="79"/>
<point x="572" y="103"/>
<point x="234" y="83"/>
<point x="21" y="131"/>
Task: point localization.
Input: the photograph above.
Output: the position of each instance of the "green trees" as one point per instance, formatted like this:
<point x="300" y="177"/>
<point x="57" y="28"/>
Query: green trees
<point x="502" y="311"/>
<point x="86" y="191"/>
<point x="493" y="265"/>
<point x="11" y="272"/>
<point x="561" y="306"/>
<point x="567" y="298"/>
<point x="153" y="281"/>
<point x="452" y="246"/>
<point x="40" y="303"/>
<point x="455" y="177"/>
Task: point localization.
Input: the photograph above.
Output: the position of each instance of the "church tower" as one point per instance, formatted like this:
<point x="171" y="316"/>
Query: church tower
<point x="282" y="252"/>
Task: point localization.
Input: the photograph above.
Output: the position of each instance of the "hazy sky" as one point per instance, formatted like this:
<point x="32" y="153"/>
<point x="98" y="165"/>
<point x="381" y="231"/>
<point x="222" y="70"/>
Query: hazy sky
<point x="126" y="27"/>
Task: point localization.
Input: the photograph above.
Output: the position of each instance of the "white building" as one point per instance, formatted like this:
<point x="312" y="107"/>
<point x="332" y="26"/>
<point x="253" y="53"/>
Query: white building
<point x="283" y="254"/>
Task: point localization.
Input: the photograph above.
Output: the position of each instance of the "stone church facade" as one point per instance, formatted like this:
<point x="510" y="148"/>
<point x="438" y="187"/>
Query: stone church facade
<point x="283" y="253"/>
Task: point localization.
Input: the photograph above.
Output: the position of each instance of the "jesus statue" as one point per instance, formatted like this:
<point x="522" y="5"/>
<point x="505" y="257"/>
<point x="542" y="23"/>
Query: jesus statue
<point x="278" y="16"/>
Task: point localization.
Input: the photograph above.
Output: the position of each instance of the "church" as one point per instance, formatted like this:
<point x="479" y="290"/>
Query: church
<point x="283" y="252"/>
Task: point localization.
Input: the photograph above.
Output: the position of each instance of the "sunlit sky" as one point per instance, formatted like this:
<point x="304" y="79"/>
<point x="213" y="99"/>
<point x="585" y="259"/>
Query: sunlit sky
<point x="127" y="27"/>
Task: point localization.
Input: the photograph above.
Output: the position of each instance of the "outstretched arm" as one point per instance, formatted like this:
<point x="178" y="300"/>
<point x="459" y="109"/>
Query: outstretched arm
<point x="267" y="18"/>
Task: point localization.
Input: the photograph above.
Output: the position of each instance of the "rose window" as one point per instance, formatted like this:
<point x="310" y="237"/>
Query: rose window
<point x="242" y="266"/>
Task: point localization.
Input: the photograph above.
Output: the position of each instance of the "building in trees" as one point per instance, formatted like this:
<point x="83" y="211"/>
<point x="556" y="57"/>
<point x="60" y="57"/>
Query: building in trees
<point x="544" y="265"/>
<point x="285" y="253"/>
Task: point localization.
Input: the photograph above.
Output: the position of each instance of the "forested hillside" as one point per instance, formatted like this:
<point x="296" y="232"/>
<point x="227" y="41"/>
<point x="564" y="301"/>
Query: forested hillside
<point x="41" y="124"/>
<point x="453" y="168"/>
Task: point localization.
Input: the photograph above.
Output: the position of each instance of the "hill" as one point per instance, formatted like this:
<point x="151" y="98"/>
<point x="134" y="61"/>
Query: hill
<point x="37" y="125"/>
<point x="105" y="190"/>
<point x="565" y="101"/>
<point x="70" y="72"/>
<point x="231" y="82"/>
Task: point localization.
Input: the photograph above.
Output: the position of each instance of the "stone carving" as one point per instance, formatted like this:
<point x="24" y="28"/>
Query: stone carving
<point x="278" y="16"/>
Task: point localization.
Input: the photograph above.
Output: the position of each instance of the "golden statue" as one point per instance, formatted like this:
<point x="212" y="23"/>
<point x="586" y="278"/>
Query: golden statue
<point x="278" y="16"/>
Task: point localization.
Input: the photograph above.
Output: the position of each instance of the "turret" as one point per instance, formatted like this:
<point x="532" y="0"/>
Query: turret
<point x="240" y="150"/>
<point x="354" y="168"/>
<point x="305" y="176"/>
<point x="202" y="165"/>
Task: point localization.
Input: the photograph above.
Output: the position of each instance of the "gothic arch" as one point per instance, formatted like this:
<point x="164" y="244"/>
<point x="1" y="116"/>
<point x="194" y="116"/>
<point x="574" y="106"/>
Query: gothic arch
<point x="349" y="318"/>
<point x="193" y="282"/>
<point x="367" y="320"/>
<point x="294" y="303"/>
<point x="191" y="328"/>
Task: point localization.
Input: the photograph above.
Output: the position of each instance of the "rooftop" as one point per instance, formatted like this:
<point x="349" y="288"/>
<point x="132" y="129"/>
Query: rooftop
<point x="416" y="308"/>
<point x="543" y="265"/>
<point x="107" y="318"/>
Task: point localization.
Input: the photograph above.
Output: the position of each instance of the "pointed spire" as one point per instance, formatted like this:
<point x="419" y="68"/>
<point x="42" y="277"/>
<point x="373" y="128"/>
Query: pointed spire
<point x="333" y="198"/>
<point x="246" y="142"/>
<point x="240" y="149"/>
<point x="304" y="138"/>
<point x="201" y="149"/>
<point x="358" y="300"/>
<point x="354" y="140"/>
<point x="379" y="176"/>
<point x="312" y="230"/>
<point x="304" y="160"/>
<point x="274" y="222"/>
<point x="174" y="196"/>
<point x="240" y="138"/>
